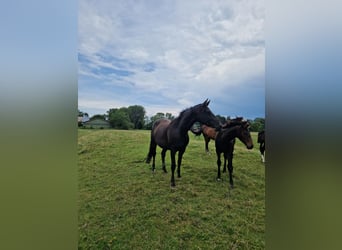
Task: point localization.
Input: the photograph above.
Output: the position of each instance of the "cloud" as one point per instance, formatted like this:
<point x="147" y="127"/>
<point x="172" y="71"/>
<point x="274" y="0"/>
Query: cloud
<point x="178" y="50"/>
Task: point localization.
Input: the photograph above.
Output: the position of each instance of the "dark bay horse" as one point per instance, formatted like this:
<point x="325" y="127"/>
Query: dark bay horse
<point x="173" y="135"/>
<point x="224" y="143"/>
<point x="261" y="140"/>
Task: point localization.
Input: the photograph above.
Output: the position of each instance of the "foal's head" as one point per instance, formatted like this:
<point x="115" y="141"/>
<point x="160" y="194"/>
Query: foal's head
<point x="205" y="116"/>
<point x="244" y="135"/>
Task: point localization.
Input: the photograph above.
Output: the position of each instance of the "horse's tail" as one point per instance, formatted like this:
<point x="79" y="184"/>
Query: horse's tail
<point x="152" y="150"/>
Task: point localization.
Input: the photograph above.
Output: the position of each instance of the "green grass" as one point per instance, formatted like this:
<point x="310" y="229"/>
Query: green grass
<point x="123" y="205"/>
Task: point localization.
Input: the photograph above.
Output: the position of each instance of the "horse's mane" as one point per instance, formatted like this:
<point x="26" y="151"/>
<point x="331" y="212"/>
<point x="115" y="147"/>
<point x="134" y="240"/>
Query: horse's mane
<point x="181" y="114"/>
<point x="235" y="122"/>
<point x="232" y="122"/>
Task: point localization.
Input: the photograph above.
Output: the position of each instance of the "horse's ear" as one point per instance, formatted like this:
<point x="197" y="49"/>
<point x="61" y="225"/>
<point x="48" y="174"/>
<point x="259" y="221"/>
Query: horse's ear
<point x="206" y="102"/>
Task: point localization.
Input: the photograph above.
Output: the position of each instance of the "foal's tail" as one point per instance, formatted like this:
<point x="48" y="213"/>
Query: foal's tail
<point x="152" y="151"/>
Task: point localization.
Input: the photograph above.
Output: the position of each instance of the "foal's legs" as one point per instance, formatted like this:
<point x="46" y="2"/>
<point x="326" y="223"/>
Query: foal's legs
<point x="229" y="154"/>
<point x="230" y="169"/>
<point x="163" y="159"/>
<point x="207" y="140"/>
<point x="218" y="154"/>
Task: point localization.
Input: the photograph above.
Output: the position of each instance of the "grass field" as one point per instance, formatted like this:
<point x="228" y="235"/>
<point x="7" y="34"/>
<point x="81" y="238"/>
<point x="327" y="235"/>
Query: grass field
<point x="123" y="205"/>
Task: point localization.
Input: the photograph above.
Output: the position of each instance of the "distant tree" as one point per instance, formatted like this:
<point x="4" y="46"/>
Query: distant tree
<point x="81" y="113"/>
<point x="222" y="119"/>
<point x="157" y="116"/>
<point x="98" y="116"/>
<point x="147" y="123"/>
<point x="169" y="116"/>
<point x="80" y="117"/>
<point x="136" y="115"/>
<point x="154" y="118"/>
<point x="257" y="124"/>
<point x="119" y="118"/>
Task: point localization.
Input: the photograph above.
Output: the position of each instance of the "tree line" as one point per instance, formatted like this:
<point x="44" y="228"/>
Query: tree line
<point x="134" y="117"/>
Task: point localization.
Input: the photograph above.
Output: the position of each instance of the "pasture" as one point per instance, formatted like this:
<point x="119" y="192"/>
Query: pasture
<point x="123" y="205"/>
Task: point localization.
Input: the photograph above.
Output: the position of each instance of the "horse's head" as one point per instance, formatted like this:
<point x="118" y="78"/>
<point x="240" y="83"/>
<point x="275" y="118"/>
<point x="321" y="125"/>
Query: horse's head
<point x="244" y="135"/>
<point x="205" y="116"/>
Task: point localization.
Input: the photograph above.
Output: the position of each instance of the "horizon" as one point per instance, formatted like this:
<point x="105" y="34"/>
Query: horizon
<point x="90" y="115"/>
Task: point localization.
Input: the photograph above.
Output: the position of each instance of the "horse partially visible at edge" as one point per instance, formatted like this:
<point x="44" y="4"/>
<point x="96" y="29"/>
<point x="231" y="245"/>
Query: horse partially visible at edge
<point x="173" y="135"/>
<point x="261" y="141"/>
<point x="224" y="143"/>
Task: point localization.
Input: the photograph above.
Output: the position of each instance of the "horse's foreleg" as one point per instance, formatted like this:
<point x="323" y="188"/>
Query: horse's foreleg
<point x="218" y="165"/>
<point x="230" y="169"/>
<point x="163" y="159"/>
<point x="225" y="163"/>
<point x="180" y="156"/>
<point x="173" y="167"/>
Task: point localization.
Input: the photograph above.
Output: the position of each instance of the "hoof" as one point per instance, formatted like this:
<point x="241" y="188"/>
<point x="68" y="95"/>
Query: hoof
<point x="173" y="185"/>
<point x="165" y="171"/>
<point x="179" y="176"/>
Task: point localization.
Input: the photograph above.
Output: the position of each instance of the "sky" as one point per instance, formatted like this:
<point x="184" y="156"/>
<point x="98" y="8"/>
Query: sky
<point x="170" y="55"/>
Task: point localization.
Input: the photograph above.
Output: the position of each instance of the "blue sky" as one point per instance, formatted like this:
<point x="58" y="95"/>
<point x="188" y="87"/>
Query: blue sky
<point x="172" y="55"/>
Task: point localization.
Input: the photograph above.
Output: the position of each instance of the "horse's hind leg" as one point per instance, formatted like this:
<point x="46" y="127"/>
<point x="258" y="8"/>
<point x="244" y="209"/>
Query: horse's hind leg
<point x="163" y="159"/>
<point x="152" y="153"/>
<point x="154" y="162"/>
